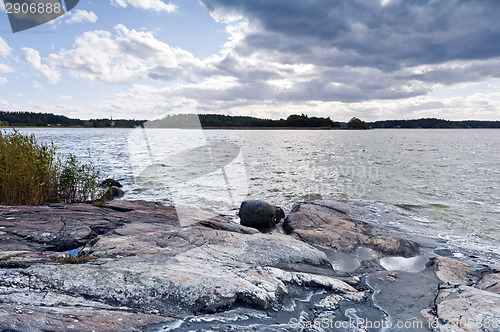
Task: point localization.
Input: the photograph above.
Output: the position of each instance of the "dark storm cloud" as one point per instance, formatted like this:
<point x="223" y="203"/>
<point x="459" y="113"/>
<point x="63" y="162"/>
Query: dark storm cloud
<point x="391" y="36"/>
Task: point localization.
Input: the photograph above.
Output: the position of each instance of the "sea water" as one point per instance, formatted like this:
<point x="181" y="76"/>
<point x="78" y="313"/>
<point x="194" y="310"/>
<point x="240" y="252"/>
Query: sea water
<point x="452" y="175"/>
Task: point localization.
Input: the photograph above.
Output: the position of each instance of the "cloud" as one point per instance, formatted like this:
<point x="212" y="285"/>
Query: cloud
<point x="2" y="80"/>
<point x="5" y="49"/>
<point x="65" y="97"/>
<point x="399" y="34"/>
<point x="81" y="16"/>
<point x="36" y="85"/>
<point x="325" y="57"/>
<point x="151" y="5"/>
<point x="32" y="57"/>
<point x="5" y="69"/>
<point x="158" y="101"/>
<point x="2" y="6"/>
<point x="356" y="50"/>
<point x="123" y="57"/>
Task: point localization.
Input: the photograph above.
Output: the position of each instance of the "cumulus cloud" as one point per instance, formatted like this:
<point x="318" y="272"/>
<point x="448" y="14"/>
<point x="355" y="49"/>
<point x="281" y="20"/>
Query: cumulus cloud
<point x="2" y="80"/>
<point x="32" y="57"/>
<point x="123" y="56"/>
<point x="5" y="49"/>
<point x="151" y="5"/>
<point x="5" y="69"/>
<point x="81" y="16"/>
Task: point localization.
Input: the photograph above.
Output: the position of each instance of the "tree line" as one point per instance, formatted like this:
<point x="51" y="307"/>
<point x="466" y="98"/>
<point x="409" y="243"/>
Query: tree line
<point x="228" y="121"/>
<point x="32" y="119"/>
<point x="434" y="123"/>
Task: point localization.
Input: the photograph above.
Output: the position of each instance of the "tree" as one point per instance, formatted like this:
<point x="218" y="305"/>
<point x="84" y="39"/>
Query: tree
<point x="356" y="123"/>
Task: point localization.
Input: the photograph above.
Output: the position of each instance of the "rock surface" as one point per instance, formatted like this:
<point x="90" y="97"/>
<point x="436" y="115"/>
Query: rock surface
<point x="313" y="222"/>
<point x="140" y="270"/>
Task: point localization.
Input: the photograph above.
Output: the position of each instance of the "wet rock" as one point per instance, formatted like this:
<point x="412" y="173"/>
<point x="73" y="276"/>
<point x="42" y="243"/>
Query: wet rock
<point x="257" y="214"/>
<point x="404" y="295"/>
<point x="317" y="223"/>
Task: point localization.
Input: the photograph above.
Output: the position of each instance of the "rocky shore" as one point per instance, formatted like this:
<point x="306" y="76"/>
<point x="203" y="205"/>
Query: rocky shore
<point x="324" y="267"/>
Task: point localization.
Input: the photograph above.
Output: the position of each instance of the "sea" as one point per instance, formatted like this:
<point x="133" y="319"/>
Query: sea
<point x="450" y="175"/>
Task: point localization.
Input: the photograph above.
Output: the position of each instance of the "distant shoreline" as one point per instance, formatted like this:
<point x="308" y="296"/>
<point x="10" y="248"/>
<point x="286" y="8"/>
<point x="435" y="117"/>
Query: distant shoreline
<point x="230" y="122"/>
<point x="234" y="128"/>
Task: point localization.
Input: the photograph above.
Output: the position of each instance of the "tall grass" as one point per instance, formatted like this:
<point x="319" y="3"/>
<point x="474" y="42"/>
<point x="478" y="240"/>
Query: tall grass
<point x="28" y="171"/>
<point x="31" y="173"/>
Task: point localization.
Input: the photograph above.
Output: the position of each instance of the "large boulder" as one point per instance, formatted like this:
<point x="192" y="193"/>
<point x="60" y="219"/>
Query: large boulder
<point x="108" y="183"/>
<point x="257" y="214"/>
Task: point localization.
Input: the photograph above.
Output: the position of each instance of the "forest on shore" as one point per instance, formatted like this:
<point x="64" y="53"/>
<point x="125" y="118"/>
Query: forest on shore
<point x="32" y="119"/>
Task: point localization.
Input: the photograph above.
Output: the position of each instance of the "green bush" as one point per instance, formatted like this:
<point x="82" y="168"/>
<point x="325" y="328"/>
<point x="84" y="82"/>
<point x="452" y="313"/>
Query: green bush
<point x="78" y="182"/>
<point x="31" y="173"/>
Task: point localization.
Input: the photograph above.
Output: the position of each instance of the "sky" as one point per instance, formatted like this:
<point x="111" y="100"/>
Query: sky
<point x="373" y="59"/>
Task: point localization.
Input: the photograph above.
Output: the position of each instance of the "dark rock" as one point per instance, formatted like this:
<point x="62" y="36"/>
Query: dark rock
<point x="257" y="214"/>
<point x="108" y="183"/>
<point x="279" y="214"/>
<point x="112" y="193"/>
<point x="414" y="292"/>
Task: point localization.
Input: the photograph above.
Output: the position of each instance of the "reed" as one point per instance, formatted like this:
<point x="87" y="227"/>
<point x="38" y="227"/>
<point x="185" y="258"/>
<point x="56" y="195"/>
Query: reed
<point x="28" y="170"/>
<point x="31" y="173"/>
